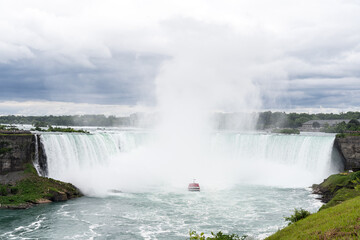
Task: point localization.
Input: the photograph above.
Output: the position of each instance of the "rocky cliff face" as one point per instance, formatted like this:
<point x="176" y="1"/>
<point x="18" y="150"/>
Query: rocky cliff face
<point x="16" y="150"/>
<point x="349" y="147"/>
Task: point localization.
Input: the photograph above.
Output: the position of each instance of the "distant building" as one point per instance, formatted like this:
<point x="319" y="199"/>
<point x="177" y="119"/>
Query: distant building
<point x="314" y="125"/>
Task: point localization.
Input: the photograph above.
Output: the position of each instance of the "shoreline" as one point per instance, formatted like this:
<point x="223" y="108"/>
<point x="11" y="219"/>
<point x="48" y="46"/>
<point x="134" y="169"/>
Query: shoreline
<point x="25" y="189"/>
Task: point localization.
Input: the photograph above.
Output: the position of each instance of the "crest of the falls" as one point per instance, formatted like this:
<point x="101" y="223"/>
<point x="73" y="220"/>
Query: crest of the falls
<point x="137" y="161"/>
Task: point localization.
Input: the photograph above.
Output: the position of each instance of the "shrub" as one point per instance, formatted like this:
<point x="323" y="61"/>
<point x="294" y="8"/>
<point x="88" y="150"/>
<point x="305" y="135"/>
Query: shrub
<point x="218" y="236"/>
<point x="3" y="190"/>
<point x="298" y="215"/>
<point x="354" y="122"/>
<point x="316" y="125"/>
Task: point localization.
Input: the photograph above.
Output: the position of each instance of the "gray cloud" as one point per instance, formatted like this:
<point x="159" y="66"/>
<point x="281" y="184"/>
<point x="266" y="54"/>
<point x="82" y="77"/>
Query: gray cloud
<point x="288" y="54"/>
<point x="125" y="78"/>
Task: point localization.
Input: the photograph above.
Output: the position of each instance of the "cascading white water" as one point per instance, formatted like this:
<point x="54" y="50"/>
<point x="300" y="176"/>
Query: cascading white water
<point x="36" y="160"/>
<point x="276" y="160"/>
<point x="130" y="161"/>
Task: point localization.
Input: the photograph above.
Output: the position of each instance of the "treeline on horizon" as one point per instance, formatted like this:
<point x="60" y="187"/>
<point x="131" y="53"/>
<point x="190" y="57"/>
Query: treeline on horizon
<point x="265" y="120"/>
<point x="295" y="120"/>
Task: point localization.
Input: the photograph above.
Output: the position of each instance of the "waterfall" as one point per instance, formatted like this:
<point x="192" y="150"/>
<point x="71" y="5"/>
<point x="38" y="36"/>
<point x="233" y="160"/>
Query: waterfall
<point x="134" y="160"/>
<point x="36" y="159"/>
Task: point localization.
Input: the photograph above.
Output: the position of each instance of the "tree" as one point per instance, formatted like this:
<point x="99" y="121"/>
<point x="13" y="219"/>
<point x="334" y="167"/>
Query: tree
<point x="316" y="125"/>
<point x="354" y="122"/>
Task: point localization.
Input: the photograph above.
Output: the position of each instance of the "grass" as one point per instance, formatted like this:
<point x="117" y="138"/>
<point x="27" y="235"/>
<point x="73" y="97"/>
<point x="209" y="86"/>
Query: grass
<point x="338" y="219"/>
<point x="340" y="180"/>
<point x="340" y="187"/>
<point x="338" y="222"/>
<point x="341" y="196"/>
<point x="33" y="188"/>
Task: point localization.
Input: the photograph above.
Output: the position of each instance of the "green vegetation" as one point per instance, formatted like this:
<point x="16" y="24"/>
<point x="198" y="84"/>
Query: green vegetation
<point x="298" y="215"/>
<point x="338" y="188"/>
<point x="39" y="124"/>
<point x="341" y="196"/>
<point x="58" y="129"/>
<point x="286" y="131"/>
<point x="68" y="129"/>
<point x="338" y="219"/>
<point x="346" y="129"/>
<point x="17" y="134"/>
<point x="8" y="128"/>
<point x="76" y="120"/>
<point x="265" y="119"/>
<point x="343" y="135"/>
<point x="338" y="222"/>
<point x="4" y="150"/>
<point x="217" y="236"/>
<point x="29" y="168"/>
<point x="32" y="189"/>
<point x="295" y="120"/>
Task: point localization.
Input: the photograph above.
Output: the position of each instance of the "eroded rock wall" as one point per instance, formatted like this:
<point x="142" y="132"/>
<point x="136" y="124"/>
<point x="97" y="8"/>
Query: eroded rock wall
<point x="15" y="151"/>
<point x="349" y="147"/>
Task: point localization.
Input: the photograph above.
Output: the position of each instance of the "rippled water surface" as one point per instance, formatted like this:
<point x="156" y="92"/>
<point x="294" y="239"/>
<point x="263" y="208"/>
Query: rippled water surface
<point x="253" y="210"/>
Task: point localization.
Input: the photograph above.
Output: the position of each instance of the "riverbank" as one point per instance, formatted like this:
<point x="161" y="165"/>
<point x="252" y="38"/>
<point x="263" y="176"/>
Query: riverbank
<point x="338" y="218"/>
<point x="24" y="189"/>
<point x="338" y="222"/>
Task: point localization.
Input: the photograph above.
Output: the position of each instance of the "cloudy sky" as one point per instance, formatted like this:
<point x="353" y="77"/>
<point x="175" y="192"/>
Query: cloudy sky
<point x="119" y="57"/>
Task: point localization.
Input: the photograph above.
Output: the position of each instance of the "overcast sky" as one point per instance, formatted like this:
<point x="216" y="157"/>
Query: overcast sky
<point x="119" y="57"/>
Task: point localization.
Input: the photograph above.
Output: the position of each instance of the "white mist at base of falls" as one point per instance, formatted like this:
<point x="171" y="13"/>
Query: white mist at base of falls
<point x="135" y="161"/>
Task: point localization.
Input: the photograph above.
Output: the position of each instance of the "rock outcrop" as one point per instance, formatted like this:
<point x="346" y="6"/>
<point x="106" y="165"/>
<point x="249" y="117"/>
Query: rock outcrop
<point x="24" y="189"/>
<point x="338" y="188"/>
<point x="349" y="148"/>
<point x="20" y="185"/>
<point x="16" y="149"/>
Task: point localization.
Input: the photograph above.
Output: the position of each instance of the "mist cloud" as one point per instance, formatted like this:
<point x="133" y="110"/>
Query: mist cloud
<point x="233" y="55"/>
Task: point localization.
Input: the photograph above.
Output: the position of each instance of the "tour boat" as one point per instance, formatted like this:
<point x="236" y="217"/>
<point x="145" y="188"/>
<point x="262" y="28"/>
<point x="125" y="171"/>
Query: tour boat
<point x="194" y="187"/>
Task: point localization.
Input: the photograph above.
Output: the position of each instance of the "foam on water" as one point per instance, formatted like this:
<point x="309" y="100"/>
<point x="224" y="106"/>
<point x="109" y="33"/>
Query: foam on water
<point x="252" y="210"/>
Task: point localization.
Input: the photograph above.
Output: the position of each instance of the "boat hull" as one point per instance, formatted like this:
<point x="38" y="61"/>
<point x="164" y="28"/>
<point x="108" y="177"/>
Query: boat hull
<point x="194" y="189"/>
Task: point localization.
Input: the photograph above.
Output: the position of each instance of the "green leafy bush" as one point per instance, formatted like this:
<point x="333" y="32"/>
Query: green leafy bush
<point x="3" y="190"/>
<point x="217" y="236"/>
<point x="298" y="215"/>
<point x="351" y="128"/>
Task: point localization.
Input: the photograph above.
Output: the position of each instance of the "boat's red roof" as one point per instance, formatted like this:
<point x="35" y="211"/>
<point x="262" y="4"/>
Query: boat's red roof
<point x="194" y="185"/>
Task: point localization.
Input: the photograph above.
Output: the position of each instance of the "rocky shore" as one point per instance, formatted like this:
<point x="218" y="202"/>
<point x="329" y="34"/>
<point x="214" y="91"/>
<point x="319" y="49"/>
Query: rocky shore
<point x="20" y="185"/>
<point x="338" y="218"/>
<point x="24" y="189"/>
<point x="338" y="188"/>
